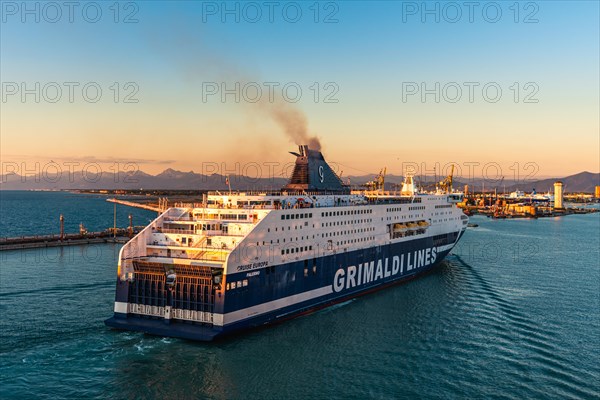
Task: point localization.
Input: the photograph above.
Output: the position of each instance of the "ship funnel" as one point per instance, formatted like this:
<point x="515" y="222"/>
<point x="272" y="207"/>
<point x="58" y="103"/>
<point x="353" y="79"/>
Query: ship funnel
<point x="312" y="173"/>
<point x="302" y="151"/>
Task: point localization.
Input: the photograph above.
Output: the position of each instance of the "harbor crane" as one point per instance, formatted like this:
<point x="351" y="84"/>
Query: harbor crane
<point x="446" y="184"/>
<point x="378" y="183"/>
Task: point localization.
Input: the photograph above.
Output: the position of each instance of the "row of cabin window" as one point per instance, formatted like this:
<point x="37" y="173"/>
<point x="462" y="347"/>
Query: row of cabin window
<point x="237" y="284"/>
<point x="445" y="219"/>
<point x="296" y="216"/>
<point x="444" y="206"/>
<point x="291" y="240"/>
<point x="264" y="243"/>
<point x="394" y="209"/>
<point x="241" y="217"/>
<point x="289" y="227"/>
<point x="329" y="234"/>
<point x="409" y="217"/>
<point x="345" y="242"/>
<point x="233" y="217"/>
<point x="211" y="227"/>
<point x="296" y="250"/>
<point x="347" y="212"/>
<point x="416" y="208"/>
<point x="337" y="223"/>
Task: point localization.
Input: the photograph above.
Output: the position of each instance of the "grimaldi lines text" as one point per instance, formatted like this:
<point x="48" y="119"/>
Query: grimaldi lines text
<point x="240" y="260"/>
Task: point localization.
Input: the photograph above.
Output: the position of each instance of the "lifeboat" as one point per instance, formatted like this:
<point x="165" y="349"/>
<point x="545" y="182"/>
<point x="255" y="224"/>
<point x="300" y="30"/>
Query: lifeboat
<point x="400" y="227"/>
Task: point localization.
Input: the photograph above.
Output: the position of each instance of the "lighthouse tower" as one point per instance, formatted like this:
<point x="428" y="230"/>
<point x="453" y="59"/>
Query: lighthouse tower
<point x="558" y="195"/>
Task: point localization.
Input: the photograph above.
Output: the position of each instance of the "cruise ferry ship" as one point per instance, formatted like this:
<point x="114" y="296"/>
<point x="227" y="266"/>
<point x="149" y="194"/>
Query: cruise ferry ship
<point x="241" y="260"/>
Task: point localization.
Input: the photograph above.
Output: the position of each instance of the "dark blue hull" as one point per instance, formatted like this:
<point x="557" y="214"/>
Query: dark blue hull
<point x="335" y="278"/>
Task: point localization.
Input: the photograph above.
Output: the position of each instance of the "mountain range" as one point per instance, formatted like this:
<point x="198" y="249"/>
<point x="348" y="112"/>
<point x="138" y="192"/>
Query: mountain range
<point x="171" y="179"/>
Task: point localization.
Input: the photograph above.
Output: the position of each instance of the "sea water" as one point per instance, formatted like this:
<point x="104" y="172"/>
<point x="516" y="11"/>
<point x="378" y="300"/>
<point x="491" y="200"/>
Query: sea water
<point x="514" y="313"/>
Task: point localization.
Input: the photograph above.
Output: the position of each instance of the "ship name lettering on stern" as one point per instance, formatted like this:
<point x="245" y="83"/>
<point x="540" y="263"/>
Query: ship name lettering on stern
<point x="250" y="266"/>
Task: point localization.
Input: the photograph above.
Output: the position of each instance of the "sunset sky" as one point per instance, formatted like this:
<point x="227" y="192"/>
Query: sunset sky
<point x="370" y="57"/>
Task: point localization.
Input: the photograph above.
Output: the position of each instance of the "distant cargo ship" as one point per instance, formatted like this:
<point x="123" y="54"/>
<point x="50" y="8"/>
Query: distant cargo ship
<point x="533" y="197"/>
<point x="242" y="260"/>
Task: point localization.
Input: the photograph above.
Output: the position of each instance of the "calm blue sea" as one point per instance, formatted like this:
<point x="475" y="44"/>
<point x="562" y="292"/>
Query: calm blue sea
<point x="35" y="213"/>
<point x="514" y="314"/>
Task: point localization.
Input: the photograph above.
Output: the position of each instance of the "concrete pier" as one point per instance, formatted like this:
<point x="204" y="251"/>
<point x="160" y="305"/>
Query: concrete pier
<point x="150" y="207"/>
<point x="38" y="241"/>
